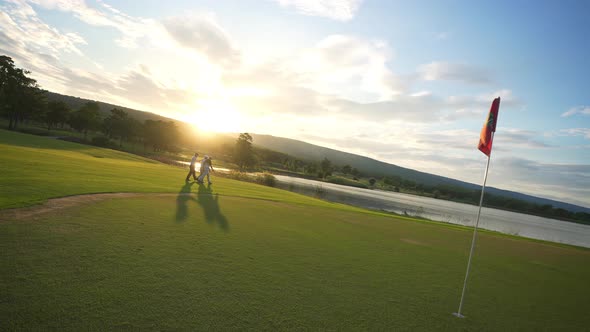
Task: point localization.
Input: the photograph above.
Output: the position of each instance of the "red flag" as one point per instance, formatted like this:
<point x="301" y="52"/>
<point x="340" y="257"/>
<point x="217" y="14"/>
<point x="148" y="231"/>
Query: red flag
<point x="485" y="138"/>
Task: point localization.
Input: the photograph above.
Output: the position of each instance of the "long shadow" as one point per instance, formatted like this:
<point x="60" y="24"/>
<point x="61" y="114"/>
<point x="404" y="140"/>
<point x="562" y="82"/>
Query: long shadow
<point x="210" y="204"/>
<point x="182" y="202"/>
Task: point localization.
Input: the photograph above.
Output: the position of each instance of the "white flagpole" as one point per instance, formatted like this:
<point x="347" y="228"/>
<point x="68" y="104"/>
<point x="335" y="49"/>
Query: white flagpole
<point x="485" y="178"/>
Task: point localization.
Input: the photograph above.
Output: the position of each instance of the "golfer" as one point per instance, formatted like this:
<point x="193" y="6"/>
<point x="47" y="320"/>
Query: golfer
<point x="192" y="170"/>
<point x="206" y="165"/>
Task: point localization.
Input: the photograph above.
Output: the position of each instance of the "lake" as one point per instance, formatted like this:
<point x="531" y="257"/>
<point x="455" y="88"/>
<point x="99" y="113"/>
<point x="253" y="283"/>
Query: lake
<point x="445" y="211"/>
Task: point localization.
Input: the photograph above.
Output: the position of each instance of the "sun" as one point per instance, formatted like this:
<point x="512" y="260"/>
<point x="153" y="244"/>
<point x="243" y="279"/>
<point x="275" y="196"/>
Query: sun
<point x="217" y="116"/>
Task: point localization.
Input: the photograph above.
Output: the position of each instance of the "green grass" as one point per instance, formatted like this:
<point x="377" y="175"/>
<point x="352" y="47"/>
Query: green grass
<point x="243" y="256"/>
<point x="37" y="168"/>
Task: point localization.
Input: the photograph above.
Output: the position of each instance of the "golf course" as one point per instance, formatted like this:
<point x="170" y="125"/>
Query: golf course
<point x="94" y="239"/>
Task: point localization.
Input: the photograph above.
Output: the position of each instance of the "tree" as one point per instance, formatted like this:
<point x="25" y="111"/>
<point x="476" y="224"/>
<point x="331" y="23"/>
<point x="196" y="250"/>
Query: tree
<point x="372" y="181"/>
<point x="355" y="172"/>
<point x="310" y="168"/>
<point x="326" y="168"/>
<point x="134" y="130"/>
<point x="33" y="105"/>
<point x="15" y="87"/>
<point x="119" y="125"/>
<point x="86" y="118"/>
<point x="291" y="164"/>
<point x="346" y="169"/>
<point x="243" y="151"/>
<point x="57" y="113"/>
<point x="159" y="134"/>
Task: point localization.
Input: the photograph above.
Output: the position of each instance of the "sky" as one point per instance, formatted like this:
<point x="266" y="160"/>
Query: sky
<point x="405" y="82"/>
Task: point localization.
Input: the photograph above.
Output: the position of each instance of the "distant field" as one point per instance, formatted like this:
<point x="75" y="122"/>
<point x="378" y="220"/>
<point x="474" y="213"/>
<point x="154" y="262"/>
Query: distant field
<point x="242" y="256"/>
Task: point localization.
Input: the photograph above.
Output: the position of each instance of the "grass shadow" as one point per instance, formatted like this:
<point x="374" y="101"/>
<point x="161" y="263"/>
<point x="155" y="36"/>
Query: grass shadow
<point x="210" y="204"/>
<point x="184" y="195"/>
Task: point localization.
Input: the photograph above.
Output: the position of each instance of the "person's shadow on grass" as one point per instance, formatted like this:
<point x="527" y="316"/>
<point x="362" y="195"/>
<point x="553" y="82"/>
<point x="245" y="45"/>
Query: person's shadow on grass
<point x="210" y="204"/>
<point x="184" y="195"/>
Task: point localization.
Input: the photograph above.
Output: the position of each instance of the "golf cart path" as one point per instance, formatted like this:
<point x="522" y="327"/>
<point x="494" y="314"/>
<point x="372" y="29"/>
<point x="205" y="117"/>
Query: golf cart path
<point x="56" y="204"/>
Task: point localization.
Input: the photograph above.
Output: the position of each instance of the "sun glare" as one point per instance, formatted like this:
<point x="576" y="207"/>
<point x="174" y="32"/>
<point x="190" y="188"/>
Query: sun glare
<point x="217" y="116"/>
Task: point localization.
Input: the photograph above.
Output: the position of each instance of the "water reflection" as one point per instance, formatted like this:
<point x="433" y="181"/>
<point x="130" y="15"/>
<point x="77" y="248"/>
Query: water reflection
<point x="445" y="211"/>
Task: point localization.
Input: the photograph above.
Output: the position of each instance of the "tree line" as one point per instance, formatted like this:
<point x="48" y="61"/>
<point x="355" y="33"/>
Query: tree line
<point x="22" y="101"/>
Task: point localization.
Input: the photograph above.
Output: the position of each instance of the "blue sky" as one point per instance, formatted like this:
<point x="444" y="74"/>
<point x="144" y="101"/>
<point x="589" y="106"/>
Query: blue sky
<point x="406" y="82"/>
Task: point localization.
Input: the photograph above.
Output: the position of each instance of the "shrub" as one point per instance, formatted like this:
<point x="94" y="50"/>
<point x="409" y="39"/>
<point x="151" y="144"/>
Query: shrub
<point x="266" y="179"/>
<point x="240" y="176"/>
<point x="103" y="142"/>
<point x="34" y="131"/>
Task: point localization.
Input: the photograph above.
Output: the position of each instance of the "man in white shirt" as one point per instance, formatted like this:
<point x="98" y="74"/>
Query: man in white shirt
<point x="192" y="168"/>
<point x="206" y="165"/>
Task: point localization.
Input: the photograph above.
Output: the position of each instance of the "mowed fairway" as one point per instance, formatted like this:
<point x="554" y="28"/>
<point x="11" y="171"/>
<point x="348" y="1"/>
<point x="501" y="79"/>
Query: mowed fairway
<point x="241" y="256"/>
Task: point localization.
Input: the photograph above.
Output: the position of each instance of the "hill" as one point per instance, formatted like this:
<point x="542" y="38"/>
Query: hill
<point x="105" y="108"/>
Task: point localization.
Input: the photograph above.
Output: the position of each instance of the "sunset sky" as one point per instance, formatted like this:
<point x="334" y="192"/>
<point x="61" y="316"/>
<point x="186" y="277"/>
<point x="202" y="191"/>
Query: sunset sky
<point x="405" y="82"/>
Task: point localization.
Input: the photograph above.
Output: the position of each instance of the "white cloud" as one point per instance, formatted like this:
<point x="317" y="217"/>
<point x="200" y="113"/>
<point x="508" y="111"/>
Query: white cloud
<point x="342" y="66"/>
<point x="512" y="138"/>
<point x="341" y="10"/>
<point x="475" y="106"/>
<point x="584" y="110"/>
<point x="22" y="28"/>
<point x="437" y="70"/>
<point x="40" y="48"/>
<point x="202" y="34"/>
<point x="132" y="29"/>
<point x="577" y="132"/>
<point x="568" y="182"/>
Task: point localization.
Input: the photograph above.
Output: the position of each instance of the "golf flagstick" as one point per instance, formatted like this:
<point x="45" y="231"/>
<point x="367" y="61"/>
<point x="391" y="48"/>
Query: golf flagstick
<point x="486" y="138"/>
<point x="458" y="313"/>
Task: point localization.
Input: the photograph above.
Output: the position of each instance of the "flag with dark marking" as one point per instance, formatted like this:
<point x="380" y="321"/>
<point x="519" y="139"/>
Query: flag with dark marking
<point x="485" y="138"/>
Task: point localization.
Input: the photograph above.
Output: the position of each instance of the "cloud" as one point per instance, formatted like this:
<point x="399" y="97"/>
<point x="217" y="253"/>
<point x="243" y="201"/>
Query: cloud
<point x="436" y="71"/>
<point x="510" y="138"/>
<point x="421" y="109"/>
<point x="201" y="33"/>
<point x="475" y="106"/>
<point x="576" y="132"/>
<point x="566" y="182"/>
<point x="139" y="87"/>
<point x="132" y="29"/>
<point x="300" y="90"/>
<point x="340" y="10"/>
<point x="584" y="110"/>
<point x="347" y="66"/>
<point x="40" y="48"/>
<point x="22" y="28"/>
